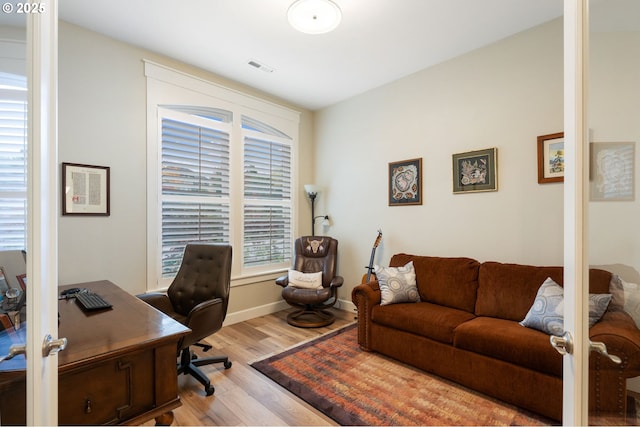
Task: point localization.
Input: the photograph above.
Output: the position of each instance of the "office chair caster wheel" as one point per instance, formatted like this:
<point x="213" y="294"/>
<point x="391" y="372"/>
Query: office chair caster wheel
<point x="227" y="364"/>
<point x="209" y="389"/>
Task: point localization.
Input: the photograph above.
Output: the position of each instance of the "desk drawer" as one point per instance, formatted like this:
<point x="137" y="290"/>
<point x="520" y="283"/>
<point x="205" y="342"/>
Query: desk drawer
<point x="107" y="392"/>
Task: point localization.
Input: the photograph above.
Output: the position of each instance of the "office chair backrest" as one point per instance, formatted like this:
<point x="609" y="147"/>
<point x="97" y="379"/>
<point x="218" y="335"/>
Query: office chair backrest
<point x="205" y="273"/>
<point x="314" y="254"/>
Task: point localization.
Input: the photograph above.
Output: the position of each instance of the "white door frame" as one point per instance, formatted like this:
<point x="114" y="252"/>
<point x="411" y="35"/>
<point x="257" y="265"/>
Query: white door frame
<point x="576" y="264"/>
<point x="42" y="216"/>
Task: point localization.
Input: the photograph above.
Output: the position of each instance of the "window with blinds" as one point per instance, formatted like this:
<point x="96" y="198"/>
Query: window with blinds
<point x="197" y="176"/>
<point x="195" y="184"/>
<point x="267" y="202"/>
<point x="13" y="161"/>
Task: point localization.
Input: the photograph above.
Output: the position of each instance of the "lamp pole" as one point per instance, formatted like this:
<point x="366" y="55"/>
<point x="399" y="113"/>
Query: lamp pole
<point x="312" y="196"/>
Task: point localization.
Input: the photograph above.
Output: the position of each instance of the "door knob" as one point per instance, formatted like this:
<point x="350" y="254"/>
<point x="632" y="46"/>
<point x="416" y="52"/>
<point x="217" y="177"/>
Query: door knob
<point x="563" y="344"/>
<point x="600" y="347"/>
<point x="50" y="345"/>
<point x="14" y="350"/>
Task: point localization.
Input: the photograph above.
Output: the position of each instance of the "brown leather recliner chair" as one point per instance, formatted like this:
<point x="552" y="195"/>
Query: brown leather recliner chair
<point x="198" y="298"/>
<point x="313" y="254"/>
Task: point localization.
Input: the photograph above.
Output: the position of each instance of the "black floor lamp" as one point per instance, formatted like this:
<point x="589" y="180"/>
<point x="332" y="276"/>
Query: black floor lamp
<point x="312" y="192"/>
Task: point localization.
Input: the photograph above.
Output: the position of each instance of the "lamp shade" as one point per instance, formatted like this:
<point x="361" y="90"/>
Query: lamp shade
<point x="312" y="188"/>
<point x="314" y="16"/>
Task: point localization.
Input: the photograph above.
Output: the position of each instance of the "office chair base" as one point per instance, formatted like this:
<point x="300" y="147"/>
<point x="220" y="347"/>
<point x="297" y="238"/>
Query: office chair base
<point x="310" y="318"/>
<point x="189" y="363"/>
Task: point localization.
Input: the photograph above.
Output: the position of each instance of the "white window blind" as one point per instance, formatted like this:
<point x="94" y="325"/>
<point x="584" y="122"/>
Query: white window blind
<point x="13" y="162"/>
<point x="267" y="202"/>
<point x="221" y="168"/>
<point x="195" y="185"/>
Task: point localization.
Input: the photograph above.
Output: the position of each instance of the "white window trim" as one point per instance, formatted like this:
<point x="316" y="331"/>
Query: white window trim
<point x="164" y="87"/>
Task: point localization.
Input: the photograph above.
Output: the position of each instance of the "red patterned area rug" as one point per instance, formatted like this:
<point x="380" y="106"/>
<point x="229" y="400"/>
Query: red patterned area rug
<point x="354" y="387"/>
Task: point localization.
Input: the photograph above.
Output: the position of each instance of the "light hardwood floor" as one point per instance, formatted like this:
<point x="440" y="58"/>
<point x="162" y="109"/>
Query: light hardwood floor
<point x="243" y="396"/>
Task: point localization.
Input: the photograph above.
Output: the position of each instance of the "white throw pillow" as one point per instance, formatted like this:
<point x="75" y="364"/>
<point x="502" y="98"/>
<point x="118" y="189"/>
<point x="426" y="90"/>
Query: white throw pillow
<point x="397" y="284"/>
<point x="305" y="280"/>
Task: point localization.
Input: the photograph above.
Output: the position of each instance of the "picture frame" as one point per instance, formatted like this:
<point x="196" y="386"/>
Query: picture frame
<point x="475" y="171"/>
<point x="85" y="189"/>
<point x="551" y="158"/>
<point x="4" y="283"/>
<point x="22" y="280"/>
<point x="405" y="182"/>
<point x="612" y="172"/>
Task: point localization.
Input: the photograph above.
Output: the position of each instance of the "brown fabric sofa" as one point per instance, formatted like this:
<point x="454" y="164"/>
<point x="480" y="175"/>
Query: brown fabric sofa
<point x="466" y="329"/>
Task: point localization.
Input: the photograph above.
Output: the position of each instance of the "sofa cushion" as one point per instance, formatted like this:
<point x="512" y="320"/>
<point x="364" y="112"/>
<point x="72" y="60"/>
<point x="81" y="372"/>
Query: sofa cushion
<point x="422" y="318"/>
<point x="507" y="291"/>
<point x="451" y="282"/>
<point x="509" y="341"/>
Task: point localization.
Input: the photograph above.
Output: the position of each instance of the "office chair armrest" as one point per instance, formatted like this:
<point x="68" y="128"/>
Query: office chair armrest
<point x="206" y="318"/>
<point x="282" y="281"/>
<point x="336" y="282"/>
<point x="157" y="300"/>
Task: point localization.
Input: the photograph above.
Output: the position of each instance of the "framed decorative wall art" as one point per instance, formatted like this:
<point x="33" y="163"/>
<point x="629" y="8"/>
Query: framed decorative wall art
<point x="551" y="158"/>
<point x="612" y="172"/>
<point x="22" y="280"/>
<point x="475" y="171"/>
<point x="85" y="189"/>
<point x="405" y="182"/>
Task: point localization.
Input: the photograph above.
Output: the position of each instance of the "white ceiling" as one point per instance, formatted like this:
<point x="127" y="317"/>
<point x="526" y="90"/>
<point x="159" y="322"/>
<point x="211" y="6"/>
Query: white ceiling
<point x="378" y="41"/>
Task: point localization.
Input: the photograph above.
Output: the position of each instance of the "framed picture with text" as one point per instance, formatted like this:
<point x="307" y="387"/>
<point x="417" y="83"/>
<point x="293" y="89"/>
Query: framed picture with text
<point x="85" y="189"/>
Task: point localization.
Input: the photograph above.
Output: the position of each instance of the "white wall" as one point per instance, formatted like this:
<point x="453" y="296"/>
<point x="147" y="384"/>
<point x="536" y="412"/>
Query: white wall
<point x="503" y="96"/>
<point x="102" y="121"/>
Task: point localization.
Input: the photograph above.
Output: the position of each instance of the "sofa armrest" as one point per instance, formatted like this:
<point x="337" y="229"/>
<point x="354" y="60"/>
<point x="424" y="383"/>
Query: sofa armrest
<point x="365" y="296"/>
<point x="619" y="333"/>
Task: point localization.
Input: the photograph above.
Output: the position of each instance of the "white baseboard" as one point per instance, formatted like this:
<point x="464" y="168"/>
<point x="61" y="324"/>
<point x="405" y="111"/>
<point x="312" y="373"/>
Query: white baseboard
<point x="262" y="310"/>
<point x="253" y="312"/>
<point x="346" y="305"/>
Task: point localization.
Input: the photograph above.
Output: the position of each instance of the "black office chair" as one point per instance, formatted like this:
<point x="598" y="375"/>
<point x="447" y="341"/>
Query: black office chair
<point x="198" y="298"/>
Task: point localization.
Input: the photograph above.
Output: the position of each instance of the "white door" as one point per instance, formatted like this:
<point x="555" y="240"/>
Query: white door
<point x="42" y="201"/>
<point x="575" y="362"/>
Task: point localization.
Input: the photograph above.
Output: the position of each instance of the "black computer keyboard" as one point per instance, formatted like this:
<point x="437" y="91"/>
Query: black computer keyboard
<point x="89" y="301"/>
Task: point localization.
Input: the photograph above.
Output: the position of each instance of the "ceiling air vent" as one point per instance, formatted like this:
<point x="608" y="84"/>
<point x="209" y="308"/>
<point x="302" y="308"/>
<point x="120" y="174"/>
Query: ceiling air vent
<point x="260" y="66"/>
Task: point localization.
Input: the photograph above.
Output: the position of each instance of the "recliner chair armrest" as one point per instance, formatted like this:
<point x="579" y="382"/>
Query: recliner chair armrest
<point x="157" y="300"/>
<point x="336" y="282"/>
<point x="282" y="281"/>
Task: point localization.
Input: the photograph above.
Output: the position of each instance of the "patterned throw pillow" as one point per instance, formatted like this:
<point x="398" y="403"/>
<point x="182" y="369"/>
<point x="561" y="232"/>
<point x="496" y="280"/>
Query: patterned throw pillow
<point x="547" y="312"/>
<point x="397" y="284"/>
<point x="626" y="296"/>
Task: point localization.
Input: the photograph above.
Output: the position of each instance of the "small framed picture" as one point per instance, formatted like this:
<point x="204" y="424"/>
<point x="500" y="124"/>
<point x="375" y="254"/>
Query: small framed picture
<point x="405" y="182"/>
<point x="612" y="174"/>
<point x="551" y="158"/>
<point x="22" y="280"/>
<point x="85" y="189"/>
<point x="4" y="285"/>
<point x="475" y="171"/>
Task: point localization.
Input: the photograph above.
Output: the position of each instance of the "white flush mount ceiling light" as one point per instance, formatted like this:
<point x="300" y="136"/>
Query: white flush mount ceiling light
<point x="314" y="16"/>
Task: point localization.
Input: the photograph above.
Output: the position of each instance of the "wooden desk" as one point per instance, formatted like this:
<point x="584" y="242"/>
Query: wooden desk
<point x="119" y="366"/>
